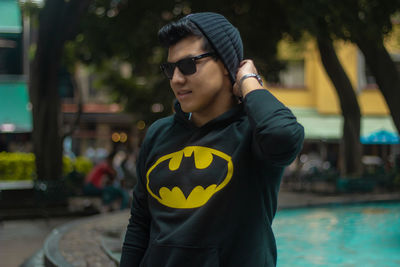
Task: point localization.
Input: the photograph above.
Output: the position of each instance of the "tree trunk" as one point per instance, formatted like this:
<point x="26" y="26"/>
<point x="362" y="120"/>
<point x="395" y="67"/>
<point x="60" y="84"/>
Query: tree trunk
<point x="351" y="148"/>
<point x="385" y="73"/>
<point x="57" y="23"/>
<point x="70" y="129"/>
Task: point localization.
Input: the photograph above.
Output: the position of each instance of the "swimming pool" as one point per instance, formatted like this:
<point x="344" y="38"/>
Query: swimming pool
<point x="347" y="235"/>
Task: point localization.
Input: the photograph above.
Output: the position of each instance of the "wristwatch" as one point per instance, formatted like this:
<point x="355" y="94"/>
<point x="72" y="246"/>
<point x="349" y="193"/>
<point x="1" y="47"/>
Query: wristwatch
<point x="250" y="75"/>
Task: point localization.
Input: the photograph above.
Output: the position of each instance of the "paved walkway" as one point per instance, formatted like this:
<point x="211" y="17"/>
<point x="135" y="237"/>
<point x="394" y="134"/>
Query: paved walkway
<point x="293" y="199"/>
<point x="83" y="242"/>
<point x="20" y="239"/>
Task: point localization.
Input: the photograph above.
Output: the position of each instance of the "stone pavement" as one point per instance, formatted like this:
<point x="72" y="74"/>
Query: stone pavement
<point x="86" y="242"/>
<point x="19" y="239"/>
<point x="296" y="200"/>
<point x="83" y="244"/>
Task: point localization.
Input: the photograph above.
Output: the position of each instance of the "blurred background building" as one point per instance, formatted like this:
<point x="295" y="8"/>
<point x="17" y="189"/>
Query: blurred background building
<point x="305" y="87"/>
<point x="15" y="116"/>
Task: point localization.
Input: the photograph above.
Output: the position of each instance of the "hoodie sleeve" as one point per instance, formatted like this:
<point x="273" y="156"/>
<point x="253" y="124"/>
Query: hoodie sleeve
<point x="278" y="137"/>
<point x="137" y="233"/>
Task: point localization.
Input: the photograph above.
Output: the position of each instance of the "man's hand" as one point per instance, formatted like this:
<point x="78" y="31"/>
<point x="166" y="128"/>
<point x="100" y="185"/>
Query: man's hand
<point x="249" y="84"/>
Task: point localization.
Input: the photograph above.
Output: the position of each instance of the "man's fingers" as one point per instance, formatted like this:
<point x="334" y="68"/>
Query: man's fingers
<point x="235" y="89"/>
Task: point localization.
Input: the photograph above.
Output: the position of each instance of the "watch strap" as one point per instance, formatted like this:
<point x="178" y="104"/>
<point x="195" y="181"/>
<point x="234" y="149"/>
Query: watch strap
<point x="250" y="75"/>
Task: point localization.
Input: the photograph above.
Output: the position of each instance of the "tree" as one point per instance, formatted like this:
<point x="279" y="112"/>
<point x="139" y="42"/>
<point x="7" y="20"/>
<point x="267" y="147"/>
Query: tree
<point x="351" y="147"/>
<point x="376" y="17"/>
<point x="122" y="33"/>
<point x="131" y="42"/>
<point x="58" y="21"/>
<point x="119" y="42"/>
<point x="366" y="23"/>
<point x="104" y="33"/>
<point x="314" y="18"/>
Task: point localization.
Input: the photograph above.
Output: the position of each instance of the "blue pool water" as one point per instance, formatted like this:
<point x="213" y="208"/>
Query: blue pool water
<point x="349" y="235"/>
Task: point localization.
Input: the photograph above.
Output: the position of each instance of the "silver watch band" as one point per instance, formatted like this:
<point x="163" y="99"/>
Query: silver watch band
<point x="250" y="75"/>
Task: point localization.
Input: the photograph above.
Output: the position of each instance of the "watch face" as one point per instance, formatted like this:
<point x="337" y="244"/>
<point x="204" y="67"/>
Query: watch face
<point x="260" y="80"/>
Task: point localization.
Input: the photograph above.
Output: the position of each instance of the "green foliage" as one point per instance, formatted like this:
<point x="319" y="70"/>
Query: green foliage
<point x="67" y="165"/>
<point x="16" y="166"/>
<point x="346" y="20"/>
<point x="83" y="165"/>
<point x="118" y="40"/>
<point x="21" y="166"/>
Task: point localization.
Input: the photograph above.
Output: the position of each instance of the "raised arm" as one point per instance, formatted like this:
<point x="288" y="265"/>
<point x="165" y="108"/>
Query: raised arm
<point x="278" y="137"/>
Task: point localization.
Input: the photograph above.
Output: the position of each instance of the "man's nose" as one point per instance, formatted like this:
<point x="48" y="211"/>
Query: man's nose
<point x="177" y="76"/>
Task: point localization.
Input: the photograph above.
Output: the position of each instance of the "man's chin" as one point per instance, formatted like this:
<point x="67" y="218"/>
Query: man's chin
<point x="186" y="108"/>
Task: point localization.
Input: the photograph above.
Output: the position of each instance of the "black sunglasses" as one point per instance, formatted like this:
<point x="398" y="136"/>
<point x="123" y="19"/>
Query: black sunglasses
<point x="186" y="65"/>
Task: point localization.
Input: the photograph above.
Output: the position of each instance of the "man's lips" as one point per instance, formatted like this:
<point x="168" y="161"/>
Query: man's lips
<point x="182" y="94"/>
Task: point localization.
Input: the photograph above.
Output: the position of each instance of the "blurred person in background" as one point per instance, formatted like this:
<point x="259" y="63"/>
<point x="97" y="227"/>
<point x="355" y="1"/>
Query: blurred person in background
<point x="101" y="181"/>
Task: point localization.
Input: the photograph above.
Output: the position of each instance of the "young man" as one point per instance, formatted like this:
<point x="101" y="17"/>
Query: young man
<point x="209" y="176"/>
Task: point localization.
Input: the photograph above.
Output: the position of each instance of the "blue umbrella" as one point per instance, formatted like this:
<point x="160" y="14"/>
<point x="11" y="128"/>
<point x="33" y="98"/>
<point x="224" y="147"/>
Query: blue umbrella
<point x="381" y="137"/>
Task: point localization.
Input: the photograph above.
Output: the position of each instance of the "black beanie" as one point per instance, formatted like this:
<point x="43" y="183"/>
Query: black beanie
<point x="223" y="37"/>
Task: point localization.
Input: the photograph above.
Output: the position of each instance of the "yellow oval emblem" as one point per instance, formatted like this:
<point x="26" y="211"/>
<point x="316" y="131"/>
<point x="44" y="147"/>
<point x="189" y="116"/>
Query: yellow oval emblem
<point x="203" y="157"/>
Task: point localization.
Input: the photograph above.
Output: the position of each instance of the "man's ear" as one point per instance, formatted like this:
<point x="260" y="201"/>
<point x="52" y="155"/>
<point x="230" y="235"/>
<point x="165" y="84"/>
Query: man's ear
<point x="226" y="72"/>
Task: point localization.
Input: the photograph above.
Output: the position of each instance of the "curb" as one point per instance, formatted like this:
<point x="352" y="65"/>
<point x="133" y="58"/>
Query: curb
<point x="51" y="249"/>
<point x="52" y="255"/>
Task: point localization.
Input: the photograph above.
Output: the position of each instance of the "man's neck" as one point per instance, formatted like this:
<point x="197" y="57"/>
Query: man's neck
<point x="201" y="118"/>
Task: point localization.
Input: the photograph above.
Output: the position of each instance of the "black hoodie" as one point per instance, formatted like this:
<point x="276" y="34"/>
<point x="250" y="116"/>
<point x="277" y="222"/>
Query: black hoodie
<point x="206" y="196"/>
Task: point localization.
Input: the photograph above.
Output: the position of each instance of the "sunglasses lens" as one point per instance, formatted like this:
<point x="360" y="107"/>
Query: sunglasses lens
<point x="168" y="69"/>
<point x="187" y="66"/>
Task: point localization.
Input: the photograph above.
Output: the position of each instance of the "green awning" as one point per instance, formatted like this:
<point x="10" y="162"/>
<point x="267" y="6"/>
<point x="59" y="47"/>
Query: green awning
<point x="330" y="127"/>
<point x="15" y="114"/>
<point x="10" y="18"/>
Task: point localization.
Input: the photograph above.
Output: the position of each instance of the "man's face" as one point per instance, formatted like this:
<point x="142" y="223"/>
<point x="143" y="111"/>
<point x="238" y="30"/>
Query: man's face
<point x="201" y="92"/>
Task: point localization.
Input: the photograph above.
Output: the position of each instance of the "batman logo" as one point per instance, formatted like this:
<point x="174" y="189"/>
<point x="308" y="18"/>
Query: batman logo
<point x="189" y="177"/>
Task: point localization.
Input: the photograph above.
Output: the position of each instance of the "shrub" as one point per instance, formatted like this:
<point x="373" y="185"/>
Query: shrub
<point x="68" y="165"/>
<point x="16" y="166"/>
<point x="21" y="166"/>
<point x="83" y="165"/>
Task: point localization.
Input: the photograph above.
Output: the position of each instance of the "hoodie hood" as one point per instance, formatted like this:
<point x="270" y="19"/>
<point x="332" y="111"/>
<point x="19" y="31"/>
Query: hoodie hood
<point x="233" y="114"/>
